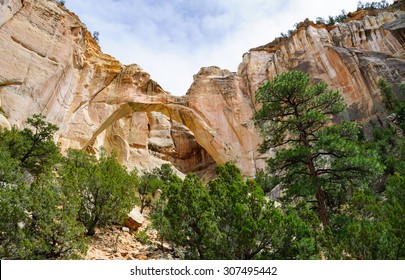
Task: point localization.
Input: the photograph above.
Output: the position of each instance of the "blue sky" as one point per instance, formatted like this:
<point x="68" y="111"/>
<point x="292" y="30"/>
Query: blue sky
<point x="173" y="39"/>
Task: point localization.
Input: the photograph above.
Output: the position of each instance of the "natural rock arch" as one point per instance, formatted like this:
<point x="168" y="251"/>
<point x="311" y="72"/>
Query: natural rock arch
<point x="204" y="135"/>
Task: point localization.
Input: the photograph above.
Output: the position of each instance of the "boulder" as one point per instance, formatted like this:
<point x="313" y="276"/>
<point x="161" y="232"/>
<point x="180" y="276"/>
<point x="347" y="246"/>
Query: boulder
<point x="135" y="220"/>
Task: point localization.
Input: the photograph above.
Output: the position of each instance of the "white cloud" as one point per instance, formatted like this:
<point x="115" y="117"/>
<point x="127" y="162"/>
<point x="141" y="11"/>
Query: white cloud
<point x="172" y="39"/>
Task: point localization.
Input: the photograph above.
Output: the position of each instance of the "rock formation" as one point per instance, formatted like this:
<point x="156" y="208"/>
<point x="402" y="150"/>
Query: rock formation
<point x="350" y="57"/>
<point x="51" y="65"/>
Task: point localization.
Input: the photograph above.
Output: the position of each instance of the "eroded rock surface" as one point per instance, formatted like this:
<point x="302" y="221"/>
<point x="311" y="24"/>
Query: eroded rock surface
<point x="51" y="65"/>
<point x="350" y="57"/>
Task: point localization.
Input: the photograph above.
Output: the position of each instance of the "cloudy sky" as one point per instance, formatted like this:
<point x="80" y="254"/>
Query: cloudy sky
<point x="173" y="39"/>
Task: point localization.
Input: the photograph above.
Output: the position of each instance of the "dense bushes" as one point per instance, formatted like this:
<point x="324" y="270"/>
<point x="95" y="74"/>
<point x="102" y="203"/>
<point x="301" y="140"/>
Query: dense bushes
<point x="50" y="203"/>
<point x="229" y="218"/>
<point x="33" y="148"/>
<point x="102" y="186"/>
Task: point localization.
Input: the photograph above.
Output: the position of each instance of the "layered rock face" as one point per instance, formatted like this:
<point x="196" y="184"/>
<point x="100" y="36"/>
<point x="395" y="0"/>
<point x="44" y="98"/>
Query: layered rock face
<point x="223" y="100"/>
<point x="50" y="64"/>
<point x="350" y="58"/>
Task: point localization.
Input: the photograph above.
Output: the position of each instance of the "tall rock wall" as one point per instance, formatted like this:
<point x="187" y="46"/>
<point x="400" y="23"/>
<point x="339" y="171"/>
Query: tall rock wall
<point x="350" y="57"/>
<point x="50" y="64"/>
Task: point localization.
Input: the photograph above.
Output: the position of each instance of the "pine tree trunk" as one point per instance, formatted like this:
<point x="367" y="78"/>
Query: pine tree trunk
<point x="322" y="212"/>
<point x="322" y="208"/>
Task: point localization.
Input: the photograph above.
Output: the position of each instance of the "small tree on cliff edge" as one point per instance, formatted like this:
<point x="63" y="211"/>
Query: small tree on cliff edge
<point x="312" y="159"/>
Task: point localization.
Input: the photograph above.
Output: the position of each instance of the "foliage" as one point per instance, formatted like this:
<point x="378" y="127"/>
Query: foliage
<point x="246" y="221"/>
<point x="48" y="206"/>
<point x="152" y="182"/>
<point x="39" y="222"/>
<point x="290" y="103"/>
<point x="387" y="134"/>
<point x="103" y="187"/>
<point x="372" y="5"/>
<point x="358" y="234"/>
<point x="265" y="181"/>
<point x="96" y="36"/>
<point x="142" y="237"/>
<point x="394" y="214"/>
<point x="186" y="217"/>
<point x="34" y="149"/>
<point x="372" y="227"/>
<point x="147" y="188"/>
<point x="10" y="171"/>
<point x="38" y="217"/>
<point x="289" y="33"/>
<point x="392" y="103"/>
<point x="300" y="236"/>
<point x="13" y="201"/>
<point x="332" y="20"/>
<point x="229" y="218"/>
<point x="313" y="160"/>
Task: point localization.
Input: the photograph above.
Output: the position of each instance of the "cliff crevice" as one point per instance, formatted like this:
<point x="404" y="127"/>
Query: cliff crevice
<point x="9" y="9"/>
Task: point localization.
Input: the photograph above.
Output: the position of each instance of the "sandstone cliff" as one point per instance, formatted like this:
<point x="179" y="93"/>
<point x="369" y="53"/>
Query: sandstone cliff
<point x="350" y="57"/>
<point x="51" y="65"/>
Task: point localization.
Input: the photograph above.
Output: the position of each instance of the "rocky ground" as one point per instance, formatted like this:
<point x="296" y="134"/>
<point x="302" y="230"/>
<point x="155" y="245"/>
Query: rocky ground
<point x="119" y="243"/>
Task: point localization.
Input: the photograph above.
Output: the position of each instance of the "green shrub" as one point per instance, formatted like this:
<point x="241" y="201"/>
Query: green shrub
<point x="32" y="147"/>
<point x="38" y="218"/>
<point x="227" y="219"/>
<point x="142" y="237"/>
<point x="103" y="187"/>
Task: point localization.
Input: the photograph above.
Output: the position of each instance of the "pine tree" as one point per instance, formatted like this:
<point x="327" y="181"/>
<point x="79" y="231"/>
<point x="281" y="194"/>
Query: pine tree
<point x="313" y="158"/>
